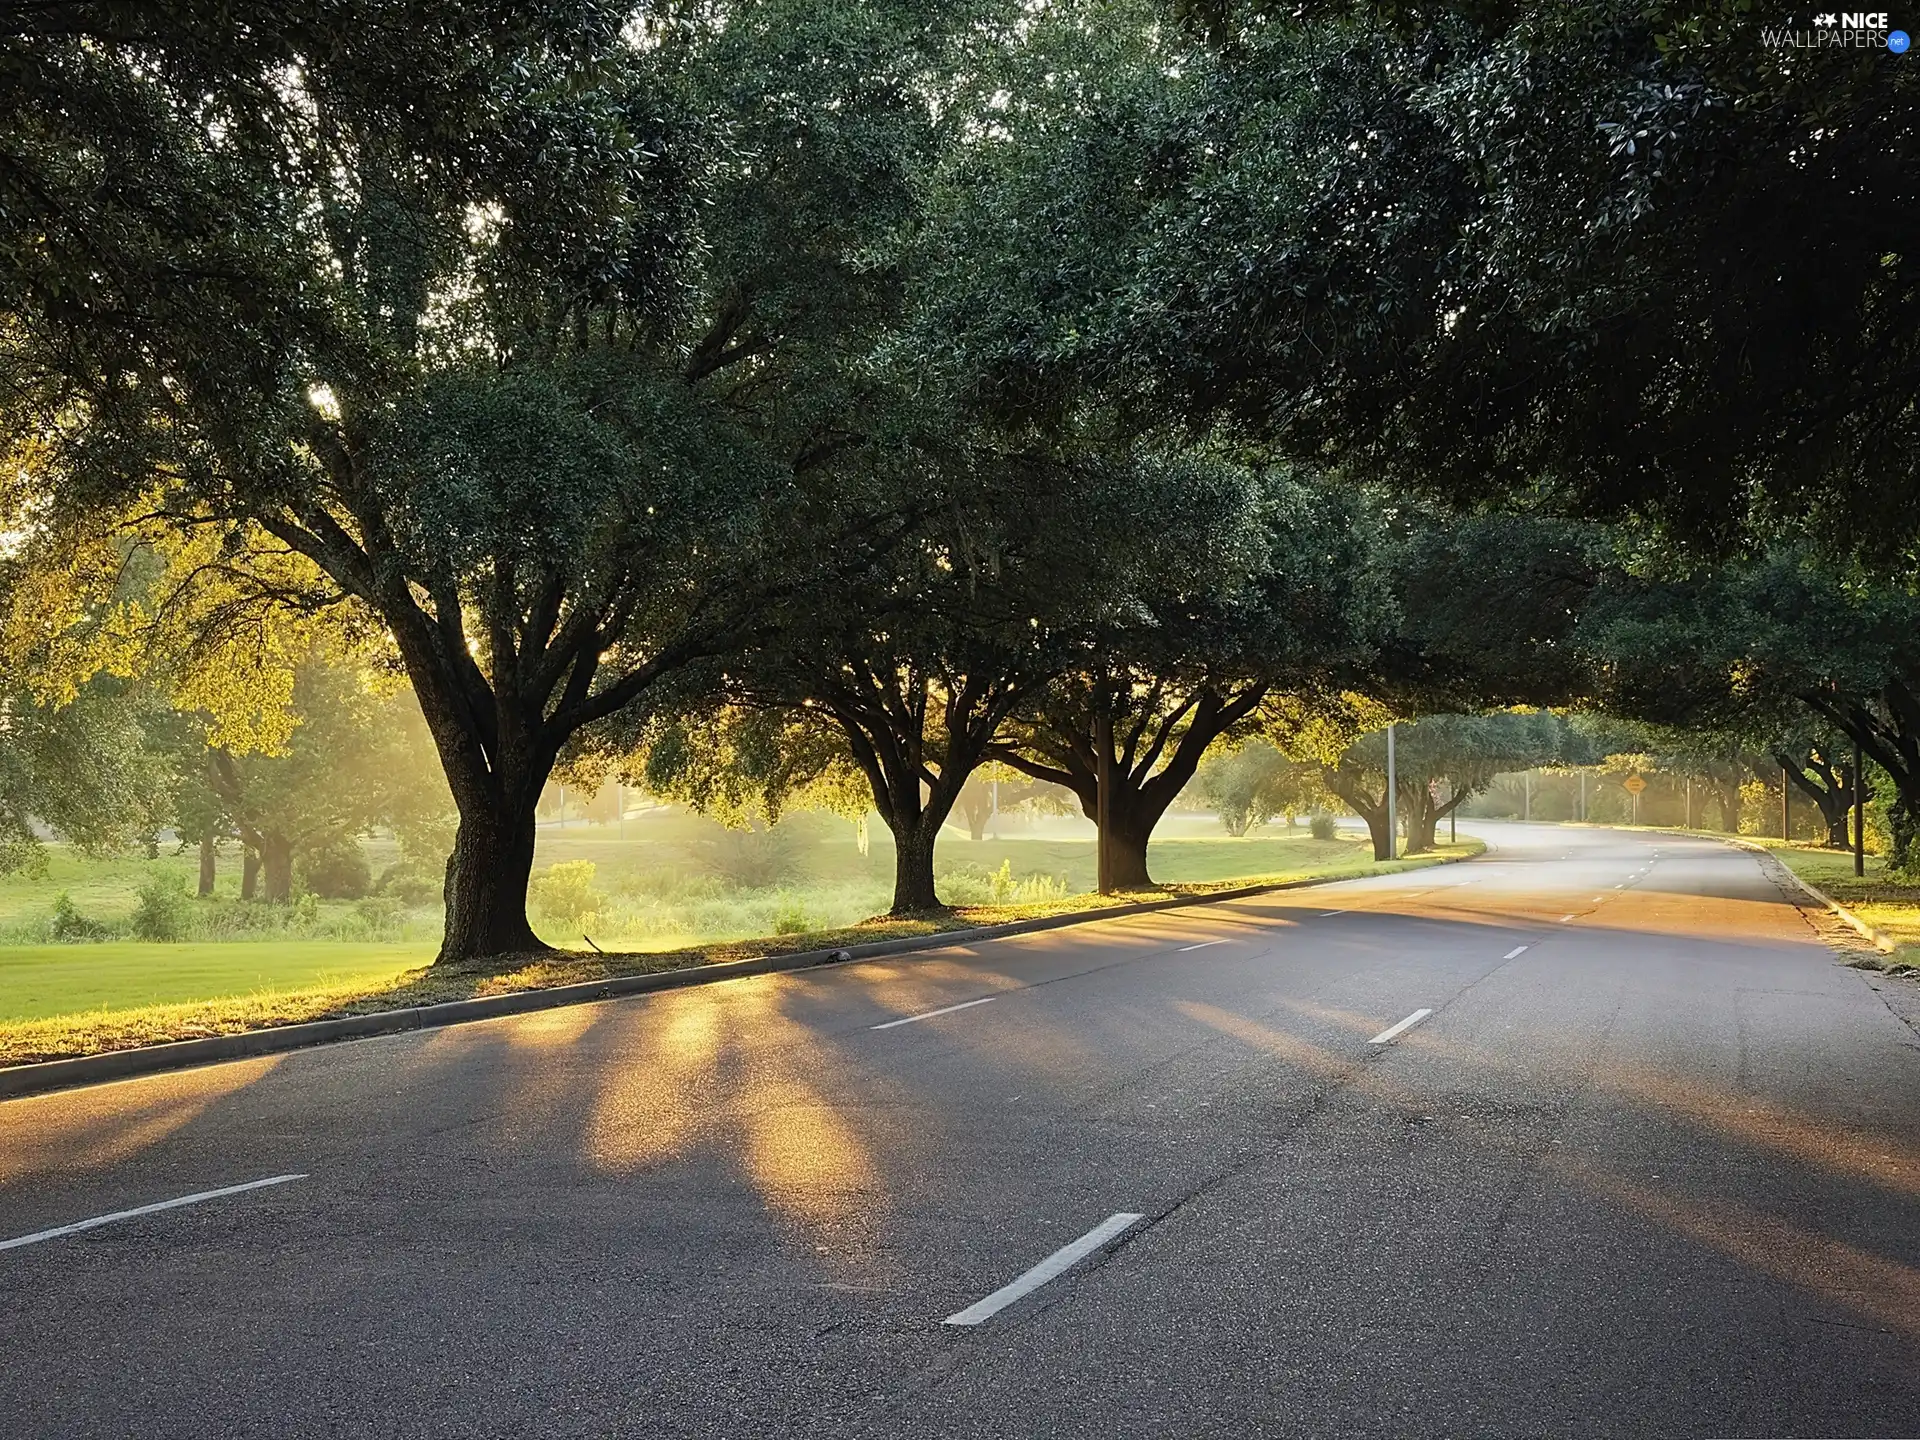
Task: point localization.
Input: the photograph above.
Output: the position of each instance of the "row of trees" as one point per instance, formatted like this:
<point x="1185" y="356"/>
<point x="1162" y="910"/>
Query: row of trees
<point x="761" y="398"/>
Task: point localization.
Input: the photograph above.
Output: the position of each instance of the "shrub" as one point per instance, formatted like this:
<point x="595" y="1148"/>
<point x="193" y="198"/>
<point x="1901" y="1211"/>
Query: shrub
<point x="751" y="859"/>
<point x="412" y="882"/>
<point x="165" y="911"/>
<point x="792" y="918"/>
<point x="1323" y="827"/>
<point x="305" y="910"/>
<point x="337" y="871"/>
<point x="70" y="924"/>
<point x="564" y="895"/>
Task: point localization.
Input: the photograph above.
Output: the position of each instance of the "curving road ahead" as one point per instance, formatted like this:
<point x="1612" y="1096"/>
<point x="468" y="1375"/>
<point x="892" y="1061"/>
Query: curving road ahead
<point x="1638" y="1157"/>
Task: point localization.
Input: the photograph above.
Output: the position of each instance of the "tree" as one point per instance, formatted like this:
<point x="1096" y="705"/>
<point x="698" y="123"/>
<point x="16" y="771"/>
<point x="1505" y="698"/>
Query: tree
<point x="1822" y="768"/>
<point x="1249" y="785"/>
<point x="995" y="793"/>
<point x="537" y="344"/>
<point x="1460" y="753"/>
<point x="1556" y="256"/>
<point x="81" y="769"/>
<point x="358" y="757"/>
<point x="1252" y="582"/>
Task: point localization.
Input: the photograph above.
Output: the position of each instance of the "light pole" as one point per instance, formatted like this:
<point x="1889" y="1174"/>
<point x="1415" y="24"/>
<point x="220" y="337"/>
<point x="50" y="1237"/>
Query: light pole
<point x="1859" y="816"/>
<point x="1103" y="805"/>
<point x="1786" y="814"/>
<point x="1393" y="833"/>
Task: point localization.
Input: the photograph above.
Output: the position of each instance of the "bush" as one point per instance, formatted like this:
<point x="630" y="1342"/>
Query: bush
<point x="565" y="896"/>
<point x="413" y="882"/>
<point x="1323" y="827"/>
<point x="70" y="924"/>
<point x="337" y="871"/>
<point x="165" y="911"/>
<point x="792" y="918"/>
<point x="970" y="885"/>
<point x="751" y="859"/>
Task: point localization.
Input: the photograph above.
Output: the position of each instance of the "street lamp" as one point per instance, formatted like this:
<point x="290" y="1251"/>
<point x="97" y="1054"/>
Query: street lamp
<point x="1393" y="833"/>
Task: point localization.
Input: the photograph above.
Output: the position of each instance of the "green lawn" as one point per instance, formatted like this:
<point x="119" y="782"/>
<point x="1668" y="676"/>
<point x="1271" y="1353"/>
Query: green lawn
<point x="1891" y="906"/>
<point x="40" y="981"/>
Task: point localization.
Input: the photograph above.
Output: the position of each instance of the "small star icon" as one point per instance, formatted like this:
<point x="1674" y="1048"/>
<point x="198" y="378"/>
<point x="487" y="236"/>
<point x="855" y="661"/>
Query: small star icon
<point x="1823" y="19"/>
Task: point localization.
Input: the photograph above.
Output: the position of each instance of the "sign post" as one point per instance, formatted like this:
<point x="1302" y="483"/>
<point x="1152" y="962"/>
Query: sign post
<point x="1633" y="785"/>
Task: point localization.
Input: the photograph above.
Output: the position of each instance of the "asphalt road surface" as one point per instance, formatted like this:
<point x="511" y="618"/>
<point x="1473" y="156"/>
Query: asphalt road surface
<point x="1649" y="1166"/>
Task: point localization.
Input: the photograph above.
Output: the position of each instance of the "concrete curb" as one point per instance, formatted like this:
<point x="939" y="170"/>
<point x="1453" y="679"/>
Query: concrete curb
<point x="1880" y="940"/>
<point x="17" y="1081"/>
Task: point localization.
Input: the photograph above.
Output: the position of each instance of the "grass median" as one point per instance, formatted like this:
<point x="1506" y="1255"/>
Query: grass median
<point x="1889" y="904"/>
<point x="58" y="1001"/>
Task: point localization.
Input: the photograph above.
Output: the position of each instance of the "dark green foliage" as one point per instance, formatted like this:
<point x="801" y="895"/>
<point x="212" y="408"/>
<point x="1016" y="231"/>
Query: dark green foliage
<point x="1605" y="258"/>
<point x="82" y="769"/>
<point x="69" y="924"/>
<point x="336" y="871"/>
<point x="165" y="910"/>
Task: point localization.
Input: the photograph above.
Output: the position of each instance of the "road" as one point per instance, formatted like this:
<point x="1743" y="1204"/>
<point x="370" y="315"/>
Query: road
<point x="1650" y="1166"/>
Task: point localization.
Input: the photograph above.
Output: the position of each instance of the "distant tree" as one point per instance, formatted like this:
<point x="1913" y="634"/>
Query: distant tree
<point x="1821" y="767"/>
<point x="357" y="757"/>
<point x="80" y="768"/>
<point x="1251" y="582"/>
<point x="1252" y="783"/>
<point x="998" y="790"/>
<point x="1440" y="761"/>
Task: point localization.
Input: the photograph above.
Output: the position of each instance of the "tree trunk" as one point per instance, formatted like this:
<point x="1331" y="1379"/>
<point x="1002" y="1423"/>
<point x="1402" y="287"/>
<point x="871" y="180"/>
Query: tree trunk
<point x="276" y="867"/>
<point x="1374" y="812"/>
<point x="1728" y="795"/>
<point x="1138" y="793"/>
<point x="1421" y="817"/>
<point x="486" y="885"/>
<point x="249" y="873"/>
<point x="1129" y="831"/>
<point x="208" y="859"/>
<point x="913" y="892"/>
<point x="976" y="804"/>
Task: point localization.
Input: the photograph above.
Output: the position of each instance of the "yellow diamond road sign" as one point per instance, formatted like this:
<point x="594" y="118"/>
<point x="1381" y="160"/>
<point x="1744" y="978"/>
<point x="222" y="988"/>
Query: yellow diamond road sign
<point x="1634" y="784"/>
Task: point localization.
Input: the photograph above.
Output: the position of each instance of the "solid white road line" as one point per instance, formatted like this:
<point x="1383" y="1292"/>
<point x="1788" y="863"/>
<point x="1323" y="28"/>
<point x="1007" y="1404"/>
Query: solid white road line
<point x="943" y="1010"/>
<point x="97" y="1221"/>
<point x="1515" y="951"/>
<point x="1325" y="913"/>
<point x="1394" y="1032"/>
<point x="1202" y="945"/>
<point x="1051" y="1268"/>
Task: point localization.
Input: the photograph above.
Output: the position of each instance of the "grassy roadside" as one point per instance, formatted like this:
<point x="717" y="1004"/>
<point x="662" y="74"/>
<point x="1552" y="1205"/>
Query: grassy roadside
<point x="1889" y="905"/>
<point x="349" y="991"/>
